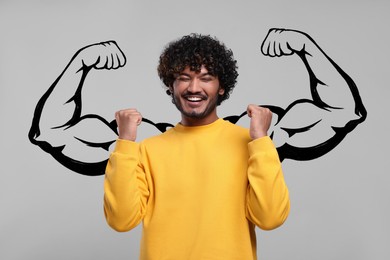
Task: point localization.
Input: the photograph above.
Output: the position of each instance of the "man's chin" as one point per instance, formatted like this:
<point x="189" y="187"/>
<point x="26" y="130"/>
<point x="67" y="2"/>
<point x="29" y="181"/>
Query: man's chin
<point x="194" y="114"/>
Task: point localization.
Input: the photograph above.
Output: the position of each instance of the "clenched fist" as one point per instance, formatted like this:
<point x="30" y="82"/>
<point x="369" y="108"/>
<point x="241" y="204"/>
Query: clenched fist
<point x="260" y="121"/>
<point x="280" y="42"/>
<point x="128" y="121"/>
<point x="104" y="55"/>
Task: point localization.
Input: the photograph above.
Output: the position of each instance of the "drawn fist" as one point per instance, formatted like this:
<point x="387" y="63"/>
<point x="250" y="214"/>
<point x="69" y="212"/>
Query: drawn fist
<point x="279" y="42"/>
<point x="104" y="55"/>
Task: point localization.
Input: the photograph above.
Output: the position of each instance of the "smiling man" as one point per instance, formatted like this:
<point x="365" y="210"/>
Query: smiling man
<point x="201" y="187"/>
<point x="195" y="95"/>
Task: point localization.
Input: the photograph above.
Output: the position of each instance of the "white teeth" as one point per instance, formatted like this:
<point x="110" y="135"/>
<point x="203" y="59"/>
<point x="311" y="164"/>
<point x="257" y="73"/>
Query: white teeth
<point x="194" y="99"/>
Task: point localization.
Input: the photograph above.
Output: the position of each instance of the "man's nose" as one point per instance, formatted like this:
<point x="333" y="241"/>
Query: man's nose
<point x="194" y="86"/>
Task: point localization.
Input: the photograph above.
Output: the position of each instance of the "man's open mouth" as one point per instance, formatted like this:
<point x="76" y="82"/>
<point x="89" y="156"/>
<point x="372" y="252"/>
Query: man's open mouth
<point x="194" y="98"/>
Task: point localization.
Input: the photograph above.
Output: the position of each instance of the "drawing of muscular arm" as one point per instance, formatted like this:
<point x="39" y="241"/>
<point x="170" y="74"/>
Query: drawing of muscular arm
<point x="79" y="142"/>
<point x="59" y="127"/>
<point x="309" y="128"/>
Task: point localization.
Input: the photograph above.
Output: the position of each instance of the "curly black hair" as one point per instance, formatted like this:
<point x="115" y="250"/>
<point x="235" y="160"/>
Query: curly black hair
<point x="195" y="51"/>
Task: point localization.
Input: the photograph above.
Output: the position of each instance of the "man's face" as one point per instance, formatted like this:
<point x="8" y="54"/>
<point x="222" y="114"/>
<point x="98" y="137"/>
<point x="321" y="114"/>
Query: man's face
<point x="196" y="94"/>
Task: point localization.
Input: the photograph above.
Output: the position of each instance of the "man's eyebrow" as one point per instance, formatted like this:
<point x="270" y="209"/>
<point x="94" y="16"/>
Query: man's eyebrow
<point x="189" y="75"/>
<point x="206" y="74"/>
<point x="178" y="74"/>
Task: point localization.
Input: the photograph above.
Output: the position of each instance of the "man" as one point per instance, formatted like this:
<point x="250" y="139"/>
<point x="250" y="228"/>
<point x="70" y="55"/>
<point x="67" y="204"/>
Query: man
<point x="202" y="186"/>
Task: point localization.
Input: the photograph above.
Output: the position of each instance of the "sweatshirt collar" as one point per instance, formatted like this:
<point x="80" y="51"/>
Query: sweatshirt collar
<point x="181" y="128"/>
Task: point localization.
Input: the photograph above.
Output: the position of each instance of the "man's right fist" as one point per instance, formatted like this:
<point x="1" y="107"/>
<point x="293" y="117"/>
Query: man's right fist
<point x="128" y="120"/>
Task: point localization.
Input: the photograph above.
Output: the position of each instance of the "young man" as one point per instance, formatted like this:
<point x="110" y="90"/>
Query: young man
<point x="202" y="186"/>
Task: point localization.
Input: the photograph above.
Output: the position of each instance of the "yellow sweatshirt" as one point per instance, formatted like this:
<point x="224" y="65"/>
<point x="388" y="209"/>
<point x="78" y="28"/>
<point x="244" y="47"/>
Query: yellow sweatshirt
<point x="199" y="191"/>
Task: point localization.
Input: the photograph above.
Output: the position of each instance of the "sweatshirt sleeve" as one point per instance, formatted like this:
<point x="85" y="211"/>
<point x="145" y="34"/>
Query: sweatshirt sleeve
<point x="125" y="187"/>
<point x="268" y="202"/>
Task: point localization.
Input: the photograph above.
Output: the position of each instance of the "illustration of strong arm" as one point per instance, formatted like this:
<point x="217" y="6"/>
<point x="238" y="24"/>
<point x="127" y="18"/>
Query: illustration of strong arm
<point x="309" y="128"/>
<point x="77" y="141"/>
<point x="59" y="127"/>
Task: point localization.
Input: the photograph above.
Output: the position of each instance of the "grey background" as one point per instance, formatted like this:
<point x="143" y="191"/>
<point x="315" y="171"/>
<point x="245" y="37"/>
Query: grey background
<point x="340" y="202"/>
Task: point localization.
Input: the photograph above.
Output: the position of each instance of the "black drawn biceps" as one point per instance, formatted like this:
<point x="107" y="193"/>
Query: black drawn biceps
<point x="292" y="131"/>
<point x="104" y="145"/>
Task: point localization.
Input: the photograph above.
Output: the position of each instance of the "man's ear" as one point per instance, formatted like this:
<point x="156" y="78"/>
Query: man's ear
<point x="169" y="91"/>
<point x="221" y="91"/>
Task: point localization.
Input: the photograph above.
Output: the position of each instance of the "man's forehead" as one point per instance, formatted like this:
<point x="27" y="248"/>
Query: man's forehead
<point x="189" y="71"/>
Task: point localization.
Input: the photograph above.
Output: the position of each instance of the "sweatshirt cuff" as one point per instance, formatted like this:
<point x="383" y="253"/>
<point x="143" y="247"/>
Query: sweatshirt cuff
<point x="261" y="144"/>
<point x="126" y="147"/>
